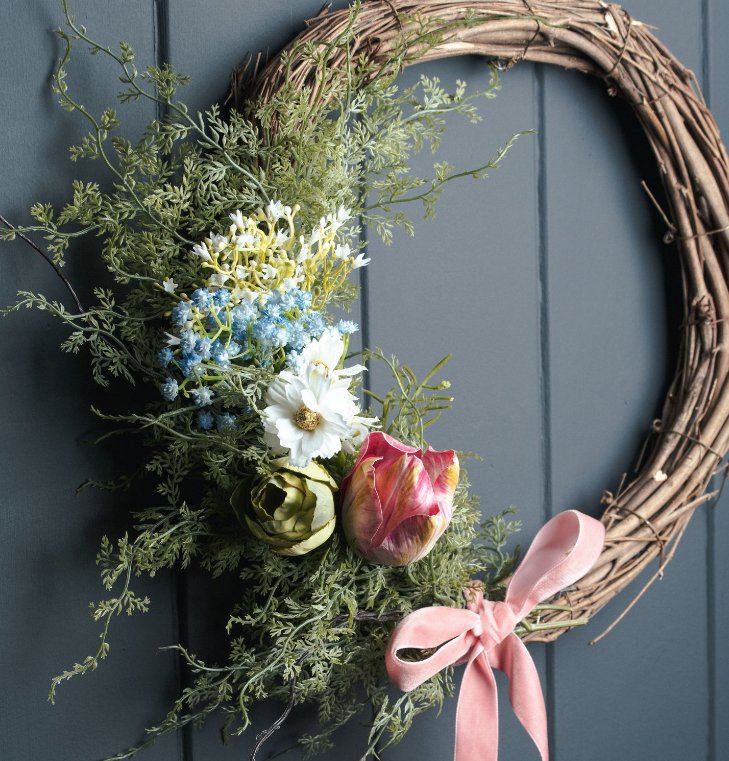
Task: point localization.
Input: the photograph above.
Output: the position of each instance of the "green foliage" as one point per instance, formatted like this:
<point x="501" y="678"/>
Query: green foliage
<point x="317" y="624"/>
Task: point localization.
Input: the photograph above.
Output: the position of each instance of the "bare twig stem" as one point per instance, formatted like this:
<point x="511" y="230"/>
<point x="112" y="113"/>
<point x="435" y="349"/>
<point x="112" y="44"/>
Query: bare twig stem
<point x="50" y="261"/>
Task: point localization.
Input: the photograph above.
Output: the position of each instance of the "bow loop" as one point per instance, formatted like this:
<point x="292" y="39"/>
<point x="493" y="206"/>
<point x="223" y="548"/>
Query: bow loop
<point x="482" y="635"/>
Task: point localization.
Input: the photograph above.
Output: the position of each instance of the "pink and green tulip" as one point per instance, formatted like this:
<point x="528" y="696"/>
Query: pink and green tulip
<point x="397" y="500"/>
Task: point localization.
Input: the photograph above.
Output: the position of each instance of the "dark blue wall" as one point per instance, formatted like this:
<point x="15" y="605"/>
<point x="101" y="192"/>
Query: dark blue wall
<point x="548" y="284"/>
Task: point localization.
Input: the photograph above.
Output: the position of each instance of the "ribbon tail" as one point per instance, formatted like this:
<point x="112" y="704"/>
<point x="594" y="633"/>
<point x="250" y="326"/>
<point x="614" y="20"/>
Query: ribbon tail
<point x="525" y="690"/>
<point x="477" y="715"/>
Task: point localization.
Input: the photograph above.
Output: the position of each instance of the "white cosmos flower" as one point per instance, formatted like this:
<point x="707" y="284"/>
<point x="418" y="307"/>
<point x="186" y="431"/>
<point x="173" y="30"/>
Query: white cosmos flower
<point x="307" y="415"/>
<point x="324" y="355"/>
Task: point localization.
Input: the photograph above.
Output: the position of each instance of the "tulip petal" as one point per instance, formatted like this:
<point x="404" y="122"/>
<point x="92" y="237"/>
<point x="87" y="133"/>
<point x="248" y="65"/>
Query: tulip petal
<point x="444" y="470"/>
<point x="411" y="540"/>
<point x="361" y="509"/>
<point x="404" y="489"/>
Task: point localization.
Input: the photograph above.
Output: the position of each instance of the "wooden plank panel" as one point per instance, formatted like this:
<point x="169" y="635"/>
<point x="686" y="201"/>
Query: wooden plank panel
<point x="609" y="365"/>
<point x="717" y="65"/>
<point x="50" y="537"/>
<point x="467" y="284"/>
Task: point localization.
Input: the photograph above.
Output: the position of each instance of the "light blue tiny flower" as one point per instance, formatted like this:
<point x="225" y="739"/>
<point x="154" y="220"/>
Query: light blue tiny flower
<point x="169" y="389"/>
<point x="273" y="311"/>
<point x="203" y="396"/>
<point x="164" y="356"/>
<point x="294" y="361"/>
<point x="244" y="313"/>
<point x="187" y="341"/>
<point x="219" y="354"/>
<point x="297" y="336"/>
<point x="315" y="324"/>
<point x="202" y="348"/>
<point x="234" y="349"/>
<point x="205" y="420"/>
<point x="190" y="366"/>
<point x="221" y="297"/>
<point x="201" y="298"/>
<point x="303" y="299"/>
<point x="181" y="313"/>
<point x="225" y="422"/>
<point x="347" y="327"/>
<point x="288" y="300"/>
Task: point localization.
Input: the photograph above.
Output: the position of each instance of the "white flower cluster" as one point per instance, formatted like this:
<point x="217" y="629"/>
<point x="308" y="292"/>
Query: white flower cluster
<point x="312" y="412"/>
<point x="264" y="252"/>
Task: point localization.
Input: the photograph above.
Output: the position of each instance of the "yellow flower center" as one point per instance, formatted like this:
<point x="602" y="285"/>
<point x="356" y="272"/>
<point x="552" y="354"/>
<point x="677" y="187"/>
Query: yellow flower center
<point x="306" y="419"/>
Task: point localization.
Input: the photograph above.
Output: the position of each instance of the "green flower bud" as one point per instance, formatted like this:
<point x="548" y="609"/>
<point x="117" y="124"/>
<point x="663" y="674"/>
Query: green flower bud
<point x="292" y="510"/>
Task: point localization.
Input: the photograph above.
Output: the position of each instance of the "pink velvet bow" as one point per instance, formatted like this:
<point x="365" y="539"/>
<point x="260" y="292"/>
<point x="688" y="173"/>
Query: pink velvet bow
<point x="483" y="637"/>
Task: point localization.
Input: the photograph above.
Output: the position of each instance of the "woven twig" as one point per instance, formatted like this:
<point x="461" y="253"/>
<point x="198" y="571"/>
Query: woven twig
<point x="646" y="519"/>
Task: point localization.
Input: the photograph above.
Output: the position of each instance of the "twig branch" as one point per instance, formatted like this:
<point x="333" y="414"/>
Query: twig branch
<point x="50" y="261"/>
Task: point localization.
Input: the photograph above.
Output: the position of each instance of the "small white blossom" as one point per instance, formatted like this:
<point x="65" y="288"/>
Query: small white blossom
<point x="218" y="279"/>
<point x="268" y="271"/>
<point x="315" y="236"/>
<point x="281" y="238"/>
<point x="245" y="240"/>
<point x="360" y="261"/>
<point x="304" y="251"/>
<point x="238" y="220"/>
<point x="244" y="294"/>
<point x="360" y="427"/>
<point x="169" y="285"/>
<point x="343" y="251"/>
<point x="172" y="340"/>
<point x="276" y="210"/>
<point x="659" y="476"/>
<point x="219" y="242"/>
<point x="201" y="250"/>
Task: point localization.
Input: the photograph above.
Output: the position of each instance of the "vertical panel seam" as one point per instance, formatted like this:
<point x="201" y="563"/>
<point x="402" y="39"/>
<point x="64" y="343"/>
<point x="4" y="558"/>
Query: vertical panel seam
<point x="160" y="22"/>
<point x="711" y="632"/>
<point x="544" y="364"/>
<point x="364" y="302"/>
<point x="544" y="369"/>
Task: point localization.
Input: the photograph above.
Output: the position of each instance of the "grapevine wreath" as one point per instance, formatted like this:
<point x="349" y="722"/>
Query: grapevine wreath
<point x="232" y="236"/>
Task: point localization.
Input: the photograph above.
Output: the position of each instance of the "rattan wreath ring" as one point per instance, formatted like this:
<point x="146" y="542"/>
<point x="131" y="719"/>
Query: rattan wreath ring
<point x="647" y="518"/>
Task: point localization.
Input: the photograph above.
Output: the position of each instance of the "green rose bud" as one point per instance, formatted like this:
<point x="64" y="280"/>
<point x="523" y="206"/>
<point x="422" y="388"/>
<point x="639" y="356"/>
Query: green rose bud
<point x="292" y="510"/>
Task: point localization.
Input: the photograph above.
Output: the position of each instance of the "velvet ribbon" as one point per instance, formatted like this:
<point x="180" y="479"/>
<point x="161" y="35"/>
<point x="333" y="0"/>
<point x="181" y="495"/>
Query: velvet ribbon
<point x="482" y="636"/>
